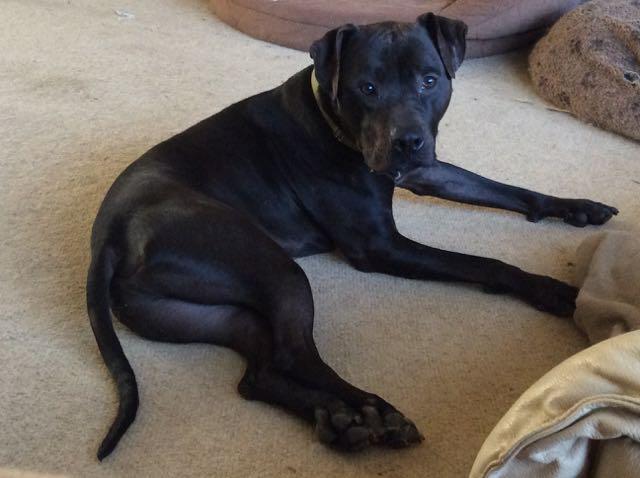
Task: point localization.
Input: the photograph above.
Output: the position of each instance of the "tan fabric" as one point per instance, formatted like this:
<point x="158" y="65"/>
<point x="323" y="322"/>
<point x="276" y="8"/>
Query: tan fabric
<point x="609" y="272"/>
<point x="589" y="64"/>
<point x="495" y="26"/>
<point x="84" y="91"/>
<point x="583" y="417"/>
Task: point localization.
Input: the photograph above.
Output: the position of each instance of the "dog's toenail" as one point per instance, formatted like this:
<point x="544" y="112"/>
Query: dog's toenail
<point x="412" y="434"/>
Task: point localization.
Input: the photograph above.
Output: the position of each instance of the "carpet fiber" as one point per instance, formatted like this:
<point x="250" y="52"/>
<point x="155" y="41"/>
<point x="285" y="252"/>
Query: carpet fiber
<point x="85" y="90"/>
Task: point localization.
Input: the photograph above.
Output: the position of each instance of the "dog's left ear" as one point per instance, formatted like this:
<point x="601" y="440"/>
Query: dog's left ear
<point x="449" y="37"/>
<point x="326" y="54"/>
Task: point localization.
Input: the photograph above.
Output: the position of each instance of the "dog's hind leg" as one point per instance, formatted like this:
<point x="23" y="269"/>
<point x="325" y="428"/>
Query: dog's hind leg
<point x="217" y="278"/>
<point x="171" y="320"/>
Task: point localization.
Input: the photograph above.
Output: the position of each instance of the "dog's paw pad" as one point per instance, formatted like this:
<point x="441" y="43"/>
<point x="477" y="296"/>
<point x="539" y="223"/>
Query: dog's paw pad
<point x="400" y="432"/>
<point x="341" y="427"/>
<point x="582" y="212"/>
<point x="357" y="438"/>
<point x="390" y="427"/>
<point x="342" y="419"/>
<point x="324" y="430"/>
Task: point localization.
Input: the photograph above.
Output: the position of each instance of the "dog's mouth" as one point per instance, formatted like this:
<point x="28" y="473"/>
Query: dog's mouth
<point x="380" y="160"/>
<point x="386" y="161"/>
<point x="395" y="174"/>
<point x="398" y="167"/>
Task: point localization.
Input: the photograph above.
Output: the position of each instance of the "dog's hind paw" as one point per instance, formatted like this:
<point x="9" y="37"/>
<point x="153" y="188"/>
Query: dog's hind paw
<point x="393" y="430"/>
<point x="343" y="428"/>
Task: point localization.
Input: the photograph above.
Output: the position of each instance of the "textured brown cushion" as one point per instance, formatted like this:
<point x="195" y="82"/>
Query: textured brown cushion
<point x="589" y="64"/>
<point x="495" y="26"/>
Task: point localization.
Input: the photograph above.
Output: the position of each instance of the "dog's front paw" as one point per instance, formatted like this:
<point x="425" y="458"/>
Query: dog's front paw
<point x="581" y="212"/>
<point x="551" y="295"/>
<point x="577" y="212"/>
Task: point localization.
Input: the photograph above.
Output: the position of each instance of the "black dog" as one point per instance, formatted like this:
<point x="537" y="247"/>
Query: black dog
<point x="194" y="241"/>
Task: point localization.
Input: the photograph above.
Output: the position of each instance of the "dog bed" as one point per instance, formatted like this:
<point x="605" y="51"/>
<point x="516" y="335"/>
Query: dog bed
<point x="589" y="64"/>
<point x="583" y="417"/>
<point x="495" y="26"/>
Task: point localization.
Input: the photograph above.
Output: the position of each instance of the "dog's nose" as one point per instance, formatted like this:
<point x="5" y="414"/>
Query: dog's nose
<point x="408" y="143"/>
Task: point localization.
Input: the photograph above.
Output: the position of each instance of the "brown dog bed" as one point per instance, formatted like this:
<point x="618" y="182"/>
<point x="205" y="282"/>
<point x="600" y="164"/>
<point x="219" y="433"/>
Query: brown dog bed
<point x="589" y="64"/>
<point x="495" y="26"/>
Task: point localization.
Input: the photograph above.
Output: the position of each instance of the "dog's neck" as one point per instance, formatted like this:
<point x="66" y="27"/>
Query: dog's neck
<point x="337" y="132"/>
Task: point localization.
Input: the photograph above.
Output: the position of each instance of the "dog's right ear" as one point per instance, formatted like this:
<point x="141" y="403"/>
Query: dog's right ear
<point x="326" y="54"/>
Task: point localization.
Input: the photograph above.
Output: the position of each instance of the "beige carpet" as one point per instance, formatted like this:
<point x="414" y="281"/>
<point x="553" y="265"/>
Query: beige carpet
<point x="84" y="91"/>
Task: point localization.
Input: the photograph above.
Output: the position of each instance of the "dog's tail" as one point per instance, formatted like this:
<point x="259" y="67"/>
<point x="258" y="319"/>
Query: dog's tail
<point x="98" y="282"/>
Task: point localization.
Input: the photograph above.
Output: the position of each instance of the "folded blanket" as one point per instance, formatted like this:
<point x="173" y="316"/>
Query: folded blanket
<point x="582" y="419"/>
<point x="608" y="271"/>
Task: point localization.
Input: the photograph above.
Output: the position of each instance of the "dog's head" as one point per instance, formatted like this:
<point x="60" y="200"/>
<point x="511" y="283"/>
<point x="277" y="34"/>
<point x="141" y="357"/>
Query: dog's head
<point x="387" y="86"/>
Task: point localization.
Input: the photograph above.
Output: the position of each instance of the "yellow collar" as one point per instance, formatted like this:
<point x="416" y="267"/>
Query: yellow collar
<point x="337" y="132"/>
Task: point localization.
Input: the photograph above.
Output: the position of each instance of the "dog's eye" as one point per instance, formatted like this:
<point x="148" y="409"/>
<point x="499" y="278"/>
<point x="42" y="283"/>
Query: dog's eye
<point x="368" y="89"/>
<point x="429" y="82"/>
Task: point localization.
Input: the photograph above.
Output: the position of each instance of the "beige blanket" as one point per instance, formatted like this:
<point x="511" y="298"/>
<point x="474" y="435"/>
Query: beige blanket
<point x="582" y="419"/>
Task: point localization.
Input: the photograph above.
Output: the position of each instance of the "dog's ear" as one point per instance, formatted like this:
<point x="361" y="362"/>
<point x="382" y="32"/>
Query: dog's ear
<point x="326" y="54"/>
<point x="449" y="37"/>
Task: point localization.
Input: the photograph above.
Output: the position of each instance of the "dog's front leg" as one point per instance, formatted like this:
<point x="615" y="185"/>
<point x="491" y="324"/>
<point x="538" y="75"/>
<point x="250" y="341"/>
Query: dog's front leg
<point x="400" y="256"/>
<point x="451" y="182"/>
